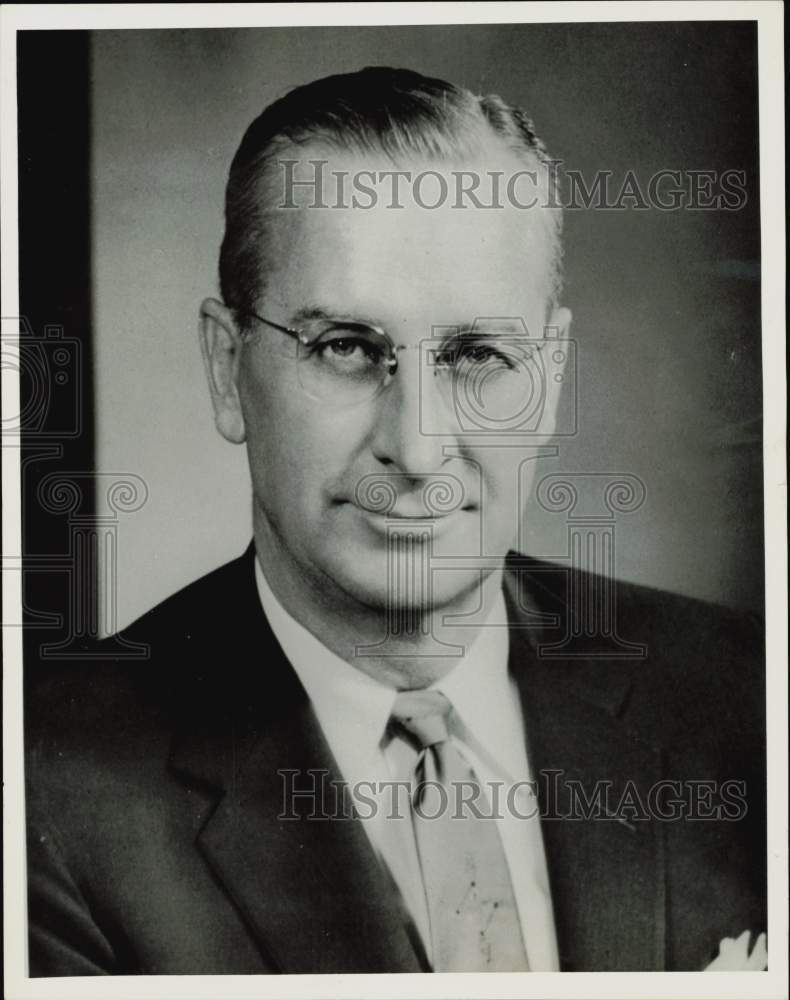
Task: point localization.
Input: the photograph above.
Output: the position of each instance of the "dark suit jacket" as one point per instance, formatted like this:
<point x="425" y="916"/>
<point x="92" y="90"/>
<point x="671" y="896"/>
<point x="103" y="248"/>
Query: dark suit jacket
<point x="154" y="795"/>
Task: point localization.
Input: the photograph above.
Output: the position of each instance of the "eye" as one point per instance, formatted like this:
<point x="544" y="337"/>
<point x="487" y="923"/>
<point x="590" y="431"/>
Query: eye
<point x="343" y="347"/>
<point x="347" y="351"/>
<point x="479" y="352"/>
<point x="351" y="347"/>
<point x="483" y="352"/>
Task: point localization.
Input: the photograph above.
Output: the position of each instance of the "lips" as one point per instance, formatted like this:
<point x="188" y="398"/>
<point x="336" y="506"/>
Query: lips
<point x="412" y="512"/>
<point x="394" y="516"/>
<point x="409" y="512"/>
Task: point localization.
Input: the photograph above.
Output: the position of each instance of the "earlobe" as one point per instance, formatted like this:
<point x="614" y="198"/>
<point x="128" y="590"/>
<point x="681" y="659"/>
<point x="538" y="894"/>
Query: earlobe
<point x="230" y="425"/>
<point x="220" y="345"/>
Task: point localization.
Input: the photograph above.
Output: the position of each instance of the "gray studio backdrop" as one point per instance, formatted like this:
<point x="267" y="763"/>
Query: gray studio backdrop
<point x="666" y="304"/>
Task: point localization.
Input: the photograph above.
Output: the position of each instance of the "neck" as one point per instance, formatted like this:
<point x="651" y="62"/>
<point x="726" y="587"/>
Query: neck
<point x="406" y="648"/>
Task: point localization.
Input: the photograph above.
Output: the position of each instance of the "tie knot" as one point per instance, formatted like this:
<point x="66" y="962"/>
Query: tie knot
<point x="422" y="717"/>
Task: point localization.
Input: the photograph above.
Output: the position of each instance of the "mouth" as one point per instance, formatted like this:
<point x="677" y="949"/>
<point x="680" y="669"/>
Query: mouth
<point x="395" y="516"/>
<point x="397" y="498"/>
<point x="386" y="500"/>
<point x="406" y="511"/>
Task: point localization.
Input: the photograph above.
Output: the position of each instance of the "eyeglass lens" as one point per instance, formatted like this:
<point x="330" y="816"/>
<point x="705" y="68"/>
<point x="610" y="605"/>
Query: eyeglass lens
<point x="500" y="377"/>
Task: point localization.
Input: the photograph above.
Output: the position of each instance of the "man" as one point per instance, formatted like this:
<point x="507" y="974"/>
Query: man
<point x="393" y="360"/>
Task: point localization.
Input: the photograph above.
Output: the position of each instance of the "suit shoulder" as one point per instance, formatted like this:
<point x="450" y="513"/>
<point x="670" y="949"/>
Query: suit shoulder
<point x="663" y="607"/>
<point x="195" y="607"/>
<point x="691" y="667"/>
<point x="127" y="684"/>
<point x="678" y="625"/>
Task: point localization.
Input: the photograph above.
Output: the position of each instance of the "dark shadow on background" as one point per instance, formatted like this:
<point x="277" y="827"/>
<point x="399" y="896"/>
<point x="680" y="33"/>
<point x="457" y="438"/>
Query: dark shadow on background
<point x="56" y="418"/>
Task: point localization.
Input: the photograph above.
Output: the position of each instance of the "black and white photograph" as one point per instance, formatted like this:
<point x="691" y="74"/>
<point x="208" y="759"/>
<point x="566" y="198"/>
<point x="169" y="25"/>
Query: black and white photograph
<point x="394" y="557"/>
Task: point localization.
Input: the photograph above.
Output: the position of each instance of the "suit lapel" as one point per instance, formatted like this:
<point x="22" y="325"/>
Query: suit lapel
<point x="605" y="857"/>
<point x="311" y="890"/>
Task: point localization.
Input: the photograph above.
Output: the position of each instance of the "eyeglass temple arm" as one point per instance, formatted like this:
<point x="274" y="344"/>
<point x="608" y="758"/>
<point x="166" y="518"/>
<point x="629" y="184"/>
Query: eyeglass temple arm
<point x="303" y="338"/>
<point x="296" y="334"/>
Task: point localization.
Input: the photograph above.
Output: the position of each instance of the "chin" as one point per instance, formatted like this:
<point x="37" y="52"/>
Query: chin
<point x="400" y="582"/>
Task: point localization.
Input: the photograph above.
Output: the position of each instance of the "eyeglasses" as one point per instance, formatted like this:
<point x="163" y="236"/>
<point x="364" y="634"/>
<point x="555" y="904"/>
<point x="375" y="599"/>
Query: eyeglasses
<point x="346" y="363"/>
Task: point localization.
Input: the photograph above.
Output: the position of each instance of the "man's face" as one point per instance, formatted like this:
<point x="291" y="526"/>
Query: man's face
<point x="316" y="463"/>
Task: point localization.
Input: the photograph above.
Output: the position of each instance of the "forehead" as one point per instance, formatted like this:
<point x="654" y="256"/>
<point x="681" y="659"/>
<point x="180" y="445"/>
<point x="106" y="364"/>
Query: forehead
<point x="380" y="242"/>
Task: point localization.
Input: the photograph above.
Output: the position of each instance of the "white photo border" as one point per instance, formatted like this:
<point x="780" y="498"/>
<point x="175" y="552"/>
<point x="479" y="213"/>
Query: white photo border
<point x="771" y="984"/>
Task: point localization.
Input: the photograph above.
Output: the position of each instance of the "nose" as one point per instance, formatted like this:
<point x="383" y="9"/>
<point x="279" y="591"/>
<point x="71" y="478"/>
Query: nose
<point x="411" y="417"/>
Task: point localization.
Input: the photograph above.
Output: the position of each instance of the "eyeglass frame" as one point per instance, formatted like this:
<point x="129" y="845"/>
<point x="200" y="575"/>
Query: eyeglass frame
<point x="351" y="326"/>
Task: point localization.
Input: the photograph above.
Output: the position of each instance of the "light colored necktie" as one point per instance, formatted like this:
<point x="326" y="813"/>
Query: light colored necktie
<point x="474" y="921"/>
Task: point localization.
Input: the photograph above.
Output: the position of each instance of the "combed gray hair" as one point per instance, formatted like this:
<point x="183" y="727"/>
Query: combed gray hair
<point x="377" y="109"/>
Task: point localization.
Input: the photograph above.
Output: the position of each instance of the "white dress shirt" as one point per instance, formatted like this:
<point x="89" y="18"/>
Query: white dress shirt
<point x="487" y="725"/>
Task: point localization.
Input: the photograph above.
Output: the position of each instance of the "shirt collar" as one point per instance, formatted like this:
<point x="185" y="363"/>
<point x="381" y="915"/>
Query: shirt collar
<point x="483" y="695"/>
<point x="353" y="708"/>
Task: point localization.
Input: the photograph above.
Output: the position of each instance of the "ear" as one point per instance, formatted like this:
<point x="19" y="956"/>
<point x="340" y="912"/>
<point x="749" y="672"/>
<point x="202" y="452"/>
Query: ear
<point x="557" y="329"/>
<point x="220" y="344"/>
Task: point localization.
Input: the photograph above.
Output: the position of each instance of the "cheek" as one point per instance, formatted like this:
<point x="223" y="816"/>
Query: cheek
<point x="296" y="450"/>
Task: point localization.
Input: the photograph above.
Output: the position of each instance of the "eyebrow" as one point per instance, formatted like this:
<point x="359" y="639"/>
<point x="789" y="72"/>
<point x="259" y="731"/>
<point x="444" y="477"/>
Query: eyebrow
<point x="481" y="324"/>
<point x="515" y="324"/>
<point x="316" y="312"/>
